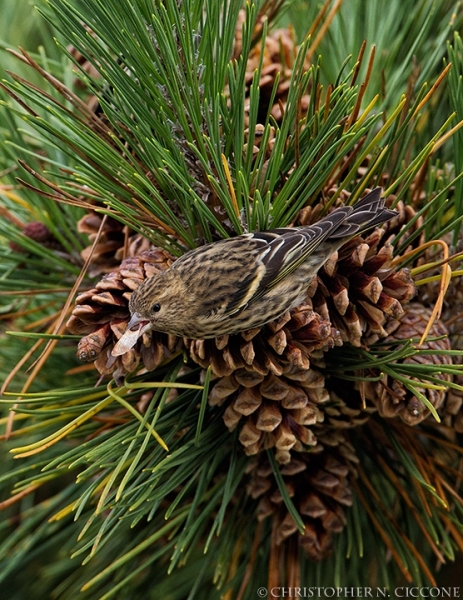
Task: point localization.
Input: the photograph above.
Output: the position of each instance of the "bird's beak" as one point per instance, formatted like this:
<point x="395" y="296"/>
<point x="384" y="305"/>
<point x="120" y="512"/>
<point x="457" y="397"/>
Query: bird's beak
<point x="136" y="327"/>
<point x="137" y="322"/>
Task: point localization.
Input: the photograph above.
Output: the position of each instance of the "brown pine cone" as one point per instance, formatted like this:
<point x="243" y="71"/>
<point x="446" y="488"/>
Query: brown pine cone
<point x="114" y="244"/>
<point x="102" y="314"/>
<point x="319" y="487"/>
<point x="278" y="60"/>
<point x="390" y="396"/>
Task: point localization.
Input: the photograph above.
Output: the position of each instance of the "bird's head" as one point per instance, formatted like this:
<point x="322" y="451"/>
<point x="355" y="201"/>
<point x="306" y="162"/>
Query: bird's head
<point x="156" y="304"/>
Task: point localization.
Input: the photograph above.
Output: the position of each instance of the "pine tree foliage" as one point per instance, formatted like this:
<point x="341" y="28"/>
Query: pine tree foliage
<point x="159" y="126"/>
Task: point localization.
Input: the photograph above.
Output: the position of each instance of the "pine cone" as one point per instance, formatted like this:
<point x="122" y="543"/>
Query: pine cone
<point x="114" y="244"/>
<point x="319" y="487"/>
<point x="278" y="60"/>
<point x="102" y="314"/>
<point x="265" y="376"/>
<point x="451" y="412"/>
<point x="39" y="232"/>
<point x="390" y="396"/>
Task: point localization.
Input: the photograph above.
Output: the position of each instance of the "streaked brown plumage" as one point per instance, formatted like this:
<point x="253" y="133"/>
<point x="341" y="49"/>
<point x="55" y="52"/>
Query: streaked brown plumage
<point x="246" y="281"/>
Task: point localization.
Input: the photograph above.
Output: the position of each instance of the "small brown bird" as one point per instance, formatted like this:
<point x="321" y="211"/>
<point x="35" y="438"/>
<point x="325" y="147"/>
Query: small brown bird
<point x="246" y="281"/>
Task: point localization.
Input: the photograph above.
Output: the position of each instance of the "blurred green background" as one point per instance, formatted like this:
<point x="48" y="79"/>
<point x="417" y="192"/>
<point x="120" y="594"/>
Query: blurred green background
<point x="22" y="25"/>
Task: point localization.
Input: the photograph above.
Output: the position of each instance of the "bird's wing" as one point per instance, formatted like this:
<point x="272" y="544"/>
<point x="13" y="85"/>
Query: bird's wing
<point x="275" y="255"/>
<point x="293" y="247"/>
<point x="290" y="247"/>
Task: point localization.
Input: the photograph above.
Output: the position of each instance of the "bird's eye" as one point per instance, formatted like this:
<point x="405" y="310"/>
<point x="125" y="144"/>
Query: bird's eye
<point x="156" y="307"/>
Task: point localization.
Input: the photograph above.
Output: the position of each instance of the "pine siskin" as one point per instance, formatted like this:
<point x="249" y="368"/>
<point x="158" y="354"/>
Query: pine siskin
<point x="244" y="282"/>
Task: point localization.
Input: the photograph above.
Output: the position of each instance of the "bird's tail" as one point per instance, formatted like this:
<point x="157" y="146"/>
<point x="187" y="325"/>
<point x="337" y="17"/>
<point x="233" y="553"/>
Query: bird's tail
<point x="367" y="213"/>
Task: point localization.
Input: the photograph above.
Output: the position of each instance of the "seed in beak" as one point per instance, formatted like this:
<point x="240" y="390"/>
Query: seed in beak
<point x="136" y="327"/>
